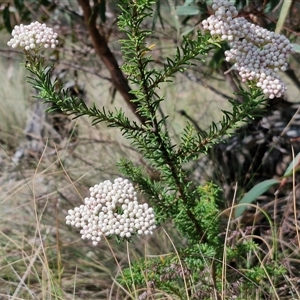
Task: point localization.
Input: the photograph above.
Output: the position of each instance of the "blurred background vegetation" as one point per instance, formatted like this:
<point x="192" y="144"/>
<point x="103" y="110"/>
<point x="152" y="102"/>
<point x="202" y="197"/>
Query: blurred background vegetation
<point x="48" y="162"/>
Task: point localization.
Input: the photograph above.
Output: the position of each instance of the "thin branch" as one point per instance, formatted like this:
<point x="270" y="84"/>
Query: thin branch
<point x="104" y="52"/>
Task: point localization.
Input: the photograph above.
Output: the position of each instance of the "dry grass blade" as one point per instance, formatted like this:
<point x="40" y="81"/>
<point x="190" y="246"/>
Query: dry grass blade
<point x="283" y="15"/>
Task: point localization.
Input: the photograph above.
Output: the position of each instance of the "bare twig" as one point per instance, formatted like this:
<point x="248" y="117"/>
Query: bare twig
<point x="104" y="52"/>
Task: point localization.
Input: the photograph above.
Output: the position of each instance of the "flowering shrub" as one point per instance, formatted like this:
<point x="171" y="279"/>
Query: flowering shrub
<point x="112" y="209"/>
<point x="258" y="54"/>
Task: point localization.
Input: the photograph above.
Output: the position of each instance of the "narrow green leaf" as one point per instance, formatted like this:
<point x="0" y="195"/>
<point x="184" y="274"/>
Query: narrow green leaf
<point x="19" y="4"/>
<point x="188" y="2"/>
<point x="255" y="192"/>
<point x="296" y="47"/>
<point x="187" y="10"/>
<point x="292" y="165"/>
<point x="270" y="6"/>
<point x="241" y="4"/>
<point x="6" y="18"/>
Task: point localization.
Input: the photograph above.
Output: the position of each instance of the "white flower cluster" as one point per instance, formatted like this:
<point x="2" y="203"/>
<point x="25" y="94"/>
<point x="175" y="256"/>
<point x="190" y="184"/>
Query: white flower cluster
<point x="112" y="209"/>
<point x="33" y="37"/>
<point x="258" y="54"/>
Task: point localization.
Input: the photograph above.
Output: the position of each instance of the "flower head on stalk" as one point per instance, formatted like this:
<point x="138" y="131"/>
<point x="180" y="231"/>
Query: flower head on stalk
<point x="112" y="209"/>
<point x="258" y="54"/>
<point x="33" y="37"/>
